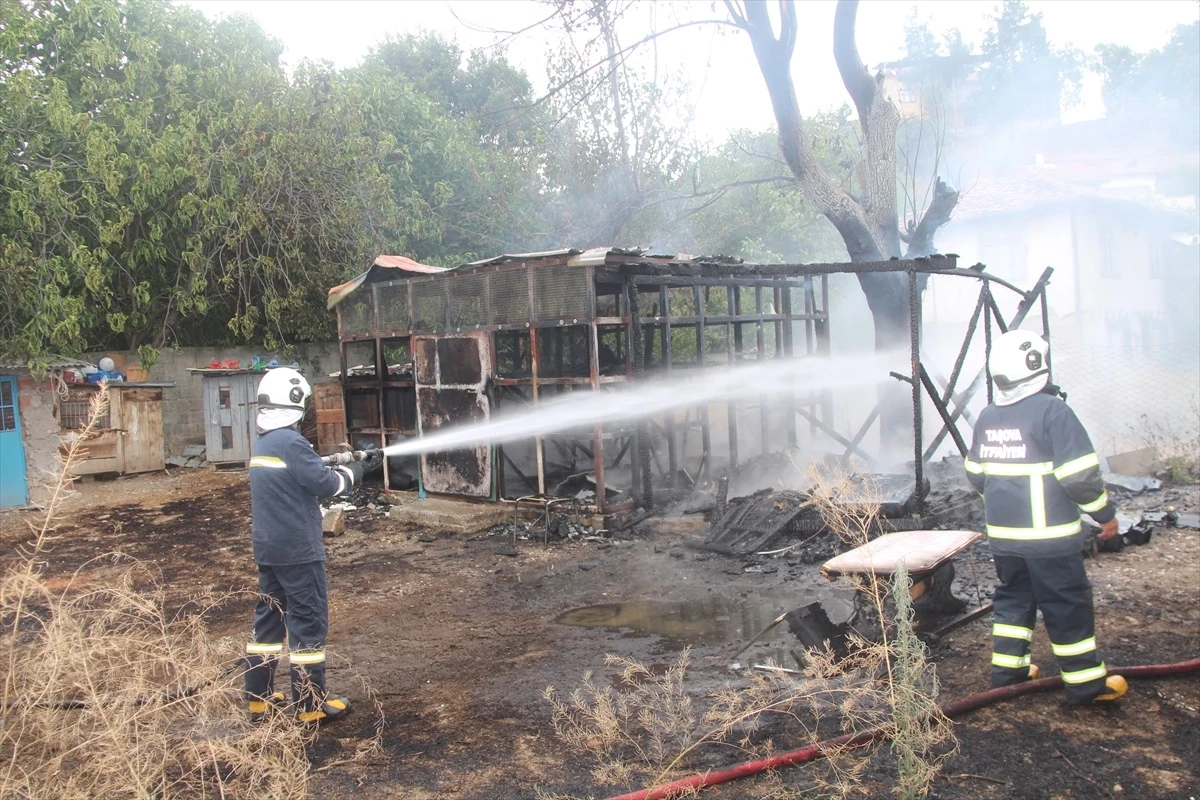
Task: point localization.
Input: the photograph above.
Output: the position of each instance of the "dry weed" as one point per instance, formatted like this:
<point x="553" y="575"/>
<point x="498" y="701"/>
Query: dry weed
<point x="647" y="728"/>
<point x="106" y="694"/>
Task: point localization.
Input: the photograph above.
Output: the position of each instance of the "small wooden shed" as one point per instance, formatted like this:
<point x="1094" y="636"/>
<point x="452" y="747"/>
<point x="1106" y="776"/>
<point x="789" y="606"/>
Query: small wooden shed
<point x="128" y="439"/>
<point x="230" y="406"/>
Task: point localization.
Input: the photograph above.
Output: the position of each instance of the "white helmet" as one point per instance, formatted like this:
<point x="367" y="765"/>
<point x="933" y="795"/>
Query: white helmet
<point x="283" y="387"/>
<point x="1018" y="356"/>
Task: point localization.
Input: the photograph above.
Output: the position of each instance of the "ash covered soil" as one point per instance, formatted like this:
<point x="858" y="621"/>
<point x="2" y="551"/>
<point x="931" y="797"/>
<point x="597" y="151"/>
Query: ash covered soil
<point x="458" y="636"/>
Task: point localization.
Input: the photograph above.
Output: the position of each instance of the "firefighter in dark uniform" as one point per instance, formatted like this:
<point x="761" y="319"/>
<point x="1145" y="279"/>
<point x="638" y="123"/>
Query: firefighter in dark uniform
<point x="286" y="479"/>
<point x="1037" y="469"/>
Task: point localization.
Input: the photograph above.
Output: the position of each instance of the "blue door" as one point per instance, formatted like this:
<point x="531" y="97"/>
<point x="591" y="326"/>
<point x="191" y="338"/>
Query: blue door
<point x="13" y="489"/>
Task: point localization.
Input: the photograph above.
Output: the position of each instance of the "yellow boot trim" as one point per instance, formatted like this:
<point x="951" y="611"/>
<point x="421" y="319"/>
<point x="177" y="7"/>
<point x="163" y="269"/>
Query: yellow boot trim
<point x="1114" y="687"/>
<point x="335" y="704"/>
<point x="258" y="708"/>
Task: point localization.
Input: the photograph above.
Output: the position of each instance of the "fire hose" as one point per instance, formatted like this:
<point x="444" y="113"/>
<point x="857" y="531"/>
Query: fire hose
<point x="951" y="709"/>
<point x="343" y="458"/>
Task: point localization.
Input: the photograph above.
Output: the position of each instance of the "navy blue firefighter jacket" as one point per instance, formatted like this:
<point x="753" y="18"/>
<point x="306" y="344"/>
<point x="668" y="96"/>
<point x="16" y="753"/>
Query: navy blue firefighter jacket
<point x="286" y="479"/>
<point x="1037" y="470"/>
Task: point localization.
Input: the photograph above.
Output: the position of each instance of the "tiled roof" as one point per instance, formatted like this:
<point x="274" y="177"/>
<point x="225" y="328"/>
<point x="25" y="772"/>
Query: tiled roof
<point x="991" y="197"/>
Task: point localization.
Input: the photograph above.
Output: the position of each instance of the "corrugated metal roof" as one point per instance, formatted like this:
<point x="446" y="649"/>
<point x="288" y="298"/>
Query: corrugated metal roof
<point x="506" y="257"/>
<point x="407" y="265"/>
<point x="399" y="263"/>
<point x="57" y="362"/>
<point x="593" y="256"/>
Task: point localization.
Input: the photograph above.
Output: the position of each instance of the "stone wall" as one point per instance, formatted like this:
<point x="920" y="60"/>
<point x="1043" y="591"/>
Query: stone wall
<point x="183" y="404"/>
<point x="39" y="430"/>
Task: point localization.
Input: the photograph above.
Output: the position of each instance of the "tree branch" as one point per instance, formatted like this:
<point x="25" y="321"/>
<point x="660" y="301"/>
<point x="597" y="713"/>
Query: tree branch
<point x="855" y="77"/>
<point x="920" y="236"/>
<point x="774" y="60"/>
<point x="879" y="120"/>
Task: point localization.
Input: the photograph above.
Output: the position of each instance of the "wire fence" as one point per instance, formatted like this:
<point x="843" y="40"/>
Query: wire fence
<point x="1134" y="397"/>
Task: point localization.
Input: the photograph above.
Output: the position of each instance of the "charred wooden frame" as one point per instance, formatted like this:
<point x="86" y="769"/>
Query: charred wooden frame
<point x="556" y="323"/>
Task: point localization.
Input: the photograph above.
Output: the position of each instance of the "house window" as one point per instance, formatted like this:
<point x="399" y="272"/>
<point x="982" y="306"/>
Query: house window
<point x="1108" y="265"/>
<point x="908" y="96"/>
<point x="8" y="407"/>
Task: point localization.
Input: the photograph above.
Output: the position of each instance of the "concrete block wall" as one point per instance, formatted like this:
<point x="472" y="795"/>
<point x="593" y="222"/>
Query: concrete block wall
<point x="39" y="430"/>
<point x="183" y="404"/>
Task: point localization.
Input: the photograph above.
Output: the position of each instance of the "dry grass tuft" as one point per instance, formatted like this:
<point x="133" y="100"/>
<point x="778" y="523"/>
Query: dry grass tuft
<point x="106" y="694"/>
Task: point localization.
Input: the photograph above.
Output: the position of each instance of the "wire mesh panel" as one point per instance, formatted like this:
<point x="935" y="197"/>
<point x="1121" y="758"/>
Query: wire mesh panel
<point x="392" y="306"/>
<point x="429" y="305"/>
<point x="510" y="296"/>
<point x="74" y="412"/>
<point x="560" y="293"/>
<point x="466" y="301"/>
<point x="356" y="313"/>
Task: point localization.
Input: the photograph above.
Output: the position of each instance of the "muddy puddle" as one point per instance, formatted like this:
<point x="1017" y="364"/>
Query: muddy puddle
<point x="733" y="621"/>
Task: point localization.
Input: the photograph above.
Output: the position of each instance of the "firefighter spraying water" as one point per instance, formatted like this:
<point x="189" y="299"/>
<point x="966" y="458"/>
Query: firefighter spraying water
<point x="286" y="479"/>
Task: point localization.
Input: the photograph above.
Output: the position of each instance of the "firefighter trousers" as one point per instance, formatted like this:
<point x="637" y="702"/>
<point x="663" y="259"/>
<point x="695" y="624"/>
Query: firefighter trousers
<point x="1059" y="587"/>
<point x="293" y="606"/>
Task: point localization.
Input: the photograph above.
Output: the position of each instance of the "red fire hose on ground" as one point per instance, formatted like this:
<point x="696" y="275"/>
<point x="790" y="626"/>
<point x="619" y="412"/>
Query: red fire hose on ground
<point x="951" y="709"/>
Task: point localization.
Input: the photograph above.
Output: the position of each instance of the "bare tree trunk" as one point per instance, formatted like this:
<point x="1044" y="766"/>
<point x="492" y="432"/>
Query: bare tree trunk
<point x="869" y="225"/>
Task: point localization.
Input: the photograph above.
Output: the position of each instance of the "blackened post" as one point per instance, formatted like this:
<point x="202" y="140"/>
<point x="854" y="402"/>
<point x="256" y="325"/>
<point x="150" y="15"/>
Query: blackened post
<point x="914" y="330"/>
<point x="702" y="357"/>
<point x="628" y="292"/>
<point x="594" y="373"/>
<point x="538" y="443"/>
<point x="639" y="373"/>
<point x="380" y="374"/>
<point x="943" y="411"/>
<point x="824" y="349"/>
<point x="810" y="335"/>
<point x="788" y="348"/>
<point x="962" y="353"/>
<point x="984" y="296"/>
<point x="764" y="403"/>
<point x="664" y="303"/>
<point x="733" y="333"/>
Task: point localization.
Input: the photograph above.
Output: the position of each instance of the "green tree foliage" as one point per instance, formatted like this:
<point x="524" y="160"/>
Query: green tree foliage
<point x="1160" y="88"/>
<point x="486" y="89"/>
<point x="742" y="200"/>
<point x="462" y="164"/>
<point x="938" y="65"/>
<point x="1021" y="76"/>
<point x="611" y="140"/>
<point x="1017" y="75"/>
<point x="164" y="181"/>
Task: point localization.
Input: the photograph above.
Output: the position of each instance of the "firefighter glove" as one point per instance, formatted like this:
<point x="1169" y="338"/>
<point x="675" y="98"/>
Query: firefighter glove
<point x="372" y="458"/>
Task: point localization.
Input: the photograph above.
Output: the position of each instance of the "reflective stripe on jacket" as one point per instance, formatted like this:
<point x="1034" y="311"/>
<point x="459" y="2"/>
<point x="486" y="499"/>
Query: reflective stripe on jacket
<point x="286" y="478"/>
<point x="1037" y="470"/>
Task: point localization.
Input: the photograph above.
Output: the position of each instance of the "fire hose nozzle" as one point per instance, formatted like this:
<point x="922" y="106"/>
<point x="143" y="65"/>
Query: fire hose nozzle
<point x="343" y="458"/>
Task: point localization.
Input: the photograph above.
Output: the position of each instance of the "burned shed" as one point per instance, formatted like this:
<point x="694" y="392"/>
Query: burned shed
<point x="427" y="348"/>
<point x="424" y="349"/>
